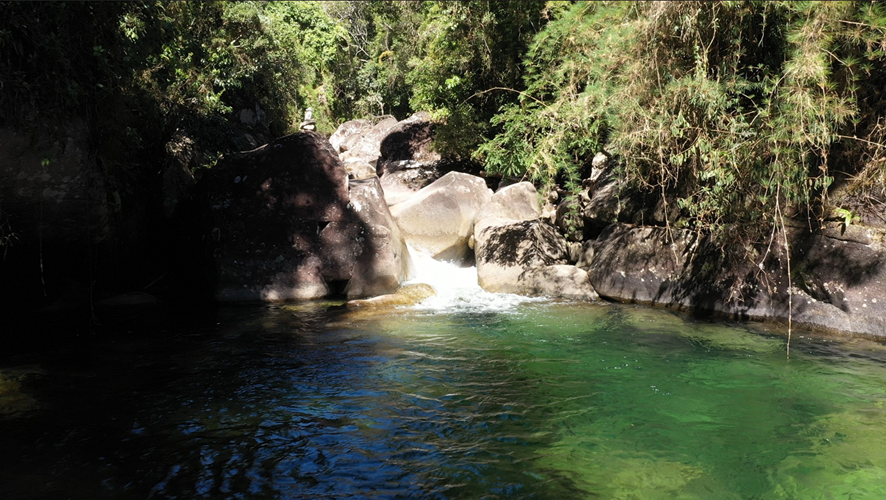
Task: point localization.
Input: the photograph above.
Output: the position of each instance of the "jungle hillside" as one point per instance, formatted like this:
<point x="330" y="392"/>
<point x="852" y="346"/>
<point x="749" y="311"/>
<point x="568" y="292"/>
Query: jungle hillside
<point x="733" y="115"/>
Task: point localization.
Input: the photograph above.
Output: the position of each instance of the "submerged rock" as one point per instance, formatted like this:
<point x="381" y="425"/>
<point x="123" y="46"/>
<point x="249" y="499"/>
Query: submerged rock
<point x="406" y="295"/>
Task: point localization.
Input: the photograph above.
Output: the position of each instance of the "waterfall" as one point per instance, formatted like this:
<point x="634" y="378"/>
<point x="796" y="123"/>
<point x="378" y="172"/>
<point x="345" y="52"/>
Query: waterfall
<point x="457" y="287"/>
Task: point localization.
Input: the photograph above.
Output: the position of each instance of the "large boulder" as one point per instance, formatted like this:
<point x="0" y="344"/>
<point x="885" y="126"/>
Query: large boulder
<point x="408" y="178"/>
<point x="366" y="144"/>
<point x="439" y="219"/>
<point x="57" y="213"/>
<point x="283" y="225"/>
<point x="642" y="264"/>
<point x="841" y="280"/>
<point x="407" y="163"/>
<point x="348" y="129"/>
<point x="410" y="140"/>
<point x="378" y="259"/>
<point x="837" y="282"/>
<point x="528" y="258"/>
<point x="516" y="202"/>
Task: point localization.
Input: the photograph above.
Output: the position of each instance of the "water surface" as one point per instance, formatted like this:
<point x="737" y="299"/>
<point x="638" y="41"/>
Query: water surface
<point x="542" y="400"/>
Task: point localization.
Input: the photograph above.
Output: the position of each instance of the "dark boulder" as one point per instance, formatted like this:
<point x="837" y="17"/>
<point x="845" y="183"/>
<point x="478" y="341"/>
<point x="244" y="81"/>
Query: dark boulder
<point x="837" y="283"/>
<point x="528" y="258"/>
<point x="410" y="140"/>
<point x="283" y="225"/>
<point x="57" y="213"/>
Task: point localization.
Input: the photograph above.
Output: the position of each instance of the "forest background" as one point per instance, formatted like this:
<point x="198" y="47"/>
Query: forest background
<point x="732" y="113"/>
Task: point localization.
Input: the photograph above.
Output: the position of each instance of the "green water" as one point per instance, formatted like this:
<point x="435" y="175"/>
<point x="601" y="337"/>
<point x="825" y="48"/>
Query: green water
<point x="542" y="401"/>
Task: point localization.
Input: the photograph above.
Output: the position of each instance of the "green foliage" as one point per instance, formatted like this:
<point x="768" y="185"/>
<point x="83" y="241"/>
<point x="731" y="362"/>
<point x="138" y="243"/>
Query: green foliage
<point x="728" y="109"/>
<point x="442" y="57"/>
<point x="552" y="131"/>
<point x="470" y="64"/>
<point x="369" y="75"/>
<point x="140" y="72"/>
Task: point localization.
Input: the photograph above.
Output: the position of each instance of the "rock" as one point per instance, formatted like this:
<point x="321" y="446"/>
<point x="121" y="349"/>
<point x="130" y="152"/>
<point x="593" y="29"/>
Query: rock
<point x="603" y="208"/>
<point x="569" y="220"/>
<point x="348" y="129"/>
<point x="406" y="295"/>
<point x="515" y="202"/>
<point x="574" y="250"/>
<point x="409" y="139"/>
<point x="51" y="188"/>
<point x="380" y="259"/>
<point x="177" y="184"/>
<point x="358" y="168"/>
<point x="842" y="282"/>
<point x="59" y="215"/>
<point x="600" y="164"/>
<point x="283" y="225"/>
<point x="405" y="181"/>
<point x="641" y="264"/>
<point x="838" y="285"/>
<point x="439" y="219"/>
<point x="528" y="258"/>
<point x="586" y="255"/>
<point x="366" y="145"/>
<point x="557" y="281"/>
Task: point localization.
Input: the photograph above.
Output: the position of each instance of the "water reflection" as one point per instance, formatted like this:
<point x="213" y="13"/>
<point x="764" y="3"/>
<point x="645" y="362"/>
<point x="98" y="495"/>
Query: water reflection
<point x="549" y="400"/>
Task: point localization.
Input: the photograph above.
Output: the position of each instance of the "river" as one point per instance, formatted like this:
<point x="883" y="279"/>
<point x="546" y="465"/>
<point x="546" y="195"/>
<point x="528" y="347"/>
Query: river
<point x="468" y="395"/>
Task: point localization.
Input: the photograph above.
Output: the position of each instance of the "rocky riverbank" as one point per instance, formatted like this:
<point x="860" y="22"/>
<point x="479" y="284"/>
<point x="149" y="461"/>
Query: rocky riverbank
<point x="306" y="217"/>
<point x="596" y="247"/>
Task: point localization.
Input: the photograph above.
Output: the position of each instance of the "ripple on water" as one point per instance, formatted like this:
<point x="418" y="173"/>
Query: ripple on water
<point x="544" y="400"/>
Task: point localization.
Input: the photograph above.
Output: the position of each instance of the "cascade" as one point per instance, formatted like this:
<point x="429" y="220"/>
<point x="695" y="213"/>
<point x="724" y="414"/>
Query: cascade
<point x="457" y="287"/>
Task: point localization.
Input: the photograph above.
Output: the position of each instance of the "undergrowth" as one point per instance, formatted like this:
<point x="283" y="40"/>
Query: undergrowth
<point x="734" y="112"/>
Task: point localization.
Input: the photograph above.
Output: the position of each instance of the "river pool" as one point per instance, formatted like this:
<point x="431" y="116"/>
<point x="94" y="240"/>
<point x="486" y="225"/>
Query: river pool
<point x="506" y="398"/>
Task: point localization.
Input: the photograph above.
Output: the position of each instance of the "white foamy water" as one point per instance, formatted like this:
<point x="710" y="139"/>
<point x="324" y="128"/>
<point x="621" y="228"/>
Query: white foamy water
<point x="457" y="287"/>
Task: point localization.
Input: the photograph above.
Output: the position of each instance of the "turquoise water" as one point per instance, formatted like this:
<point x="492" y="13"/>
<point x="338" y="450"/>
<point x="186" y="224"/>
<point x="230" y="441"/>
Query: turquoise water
<point x="543" y="400"/>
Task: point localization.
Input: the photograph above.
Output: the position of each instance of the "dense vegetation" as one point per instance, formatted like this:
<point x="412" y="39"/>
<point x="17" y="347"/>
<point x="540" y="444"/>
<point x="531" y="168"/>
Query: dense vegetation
<point x="733" y="112"/>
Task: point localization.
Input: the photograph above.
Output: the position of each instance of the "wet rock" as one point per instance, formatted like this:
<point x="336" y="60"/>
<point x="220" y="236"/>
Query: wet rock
<point x="439" y="218"/>
<point x="406" y="295"/>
